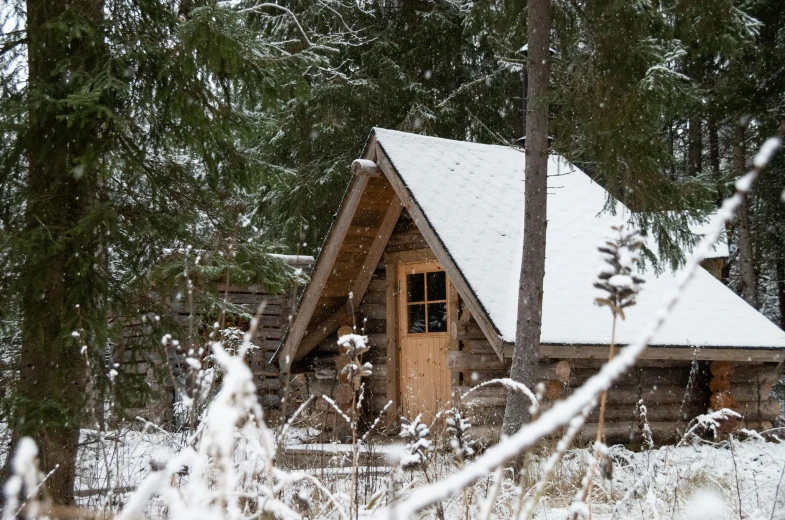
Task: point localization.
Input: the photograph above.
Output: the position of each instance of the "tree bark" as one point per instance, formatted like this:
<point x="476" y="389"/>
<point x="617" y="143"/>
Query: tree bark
<point x="530" y="292"/>
<point x="714" y="155"/>
<point x="695" y="140"/>
<point x="63" y="293"/>
<point x="780" y="268"/>
<point x="749" y="281"/>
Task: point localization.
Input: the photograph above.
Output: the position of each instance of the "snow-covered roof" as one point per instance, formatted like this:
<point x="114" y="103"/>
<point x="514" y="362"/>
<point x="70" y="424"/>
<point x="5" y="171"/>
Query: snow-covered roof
<point x="473" y="196"/>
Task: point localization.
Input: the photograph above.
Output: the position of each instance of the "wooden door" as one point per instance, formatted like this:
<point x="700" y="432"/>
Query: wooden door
<point x="424" y="339"/>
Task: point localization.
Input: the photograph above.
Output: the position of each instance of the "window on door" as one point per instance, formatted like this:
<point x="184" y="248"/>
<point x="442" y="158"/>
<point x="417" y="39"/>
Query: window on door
<point x="426" y="301"/>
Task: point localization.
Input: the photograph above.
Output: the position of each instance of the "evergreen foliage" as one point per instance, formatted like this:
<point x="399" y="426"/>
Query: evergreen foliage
<point x="132" y="130"/>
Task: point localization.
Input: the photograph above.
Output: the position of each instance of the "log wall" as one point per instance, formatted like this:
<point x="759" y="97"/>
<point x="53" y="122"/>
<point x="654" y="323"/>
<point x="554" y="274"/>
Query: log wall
<point x="674" y="392"/>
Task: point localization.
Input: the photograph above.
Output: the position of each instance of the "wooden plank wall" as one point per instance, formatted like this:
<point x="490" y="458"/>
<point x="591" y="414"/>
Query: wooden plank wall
<point x="272" y="325"/>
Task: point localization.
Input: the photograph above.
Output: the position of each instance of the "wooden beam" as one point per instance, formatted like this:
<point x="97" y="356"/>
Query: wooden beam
<point x="669" y="353"/>
<point x="456" y="277"/>
<point x="393" y="376"/>
<point x="344" y="315"/>
<point x="322" y="270"/>
<point x="366" y="167"/>
<point x="410" y="256"/>
<point x="376" y="251"/>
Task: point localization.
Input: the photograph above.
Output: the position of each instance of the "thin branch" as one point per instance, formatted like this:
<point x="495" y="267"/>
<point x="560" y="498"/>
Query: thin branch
<point x="288" y="11"/>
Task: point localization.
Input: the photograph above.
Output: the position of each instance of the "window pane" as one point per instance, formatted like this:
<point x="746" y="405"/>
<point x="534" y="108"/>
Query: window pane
<point x="437" y="317"/>
<point x="416" y="319"/>
<point x="437" y="286"/>
<point x="415" y="287"/>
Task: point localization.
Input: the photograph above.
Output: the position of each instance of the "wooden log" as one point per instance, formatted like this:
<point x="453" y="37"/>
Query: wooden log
<point x="377" y="340"/>
<point x="718" y="384"/>
<point x="484" y="391"/>
<point x="327" y="374"/>
<point x="374" y="326"/>
<point x="638" y="376"/>
<point x="720" y="400"/>
<point x="269" y="384"/>
<point x="758" y="426"/>
<point x="484" y="416"/>
<point x="268" y="371"/>
<point x="657" y="413"/>
<point x="376" y="386"/>
<point x="377" y="286"/>
<point x="379" y="370"/>
<point x="366" y="167"/>
<point x="745" y="392"/>
<point x="763" y="411"/>
<point x="721" y="369"/>
<point x="373" y="311"/>
<point x="466" y="361"/>
<point x="755" y="374"/>
<point x="486" y="435"/>
<point x="478" y="346"/>
<point x="378" y="297"/>
<point x="629" y="431"/>
<point x="474" y="377"/>
<point x="463" y="330"/>
<point x="377" y="403"/>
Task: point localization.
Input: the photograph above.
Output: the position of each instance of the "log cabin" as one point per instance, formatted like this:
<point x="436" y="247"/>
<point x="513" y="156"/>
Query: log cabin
<point x="424" y="256"/>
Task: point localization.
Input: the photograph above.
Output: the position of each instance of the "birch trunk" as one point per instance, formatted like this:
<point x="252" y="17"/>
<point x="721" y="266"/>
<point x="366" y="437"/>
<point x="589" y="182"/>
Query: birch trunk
<point x="530" y="292"/>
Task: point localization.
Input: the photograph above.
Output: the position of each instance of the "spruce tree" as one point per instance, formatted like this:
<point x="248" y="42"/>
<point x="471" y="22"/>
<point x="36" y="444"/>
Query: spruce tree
<point x="131" y="131"/>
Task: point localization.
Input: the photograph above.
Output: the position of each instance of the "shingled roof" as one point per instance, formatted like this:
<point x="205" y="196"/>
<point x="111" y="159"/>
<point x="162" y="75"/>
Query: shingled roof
<point x="472" y="196"/>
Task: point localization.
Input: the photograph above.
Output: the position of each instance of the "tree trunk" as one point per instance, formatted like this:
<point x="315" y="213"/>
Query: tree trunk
<point x="714" y="156"/>
<point x="695" y="137"/>
<point x="530" y="292"/>
<point x="780" y="267"/>
<point x="63" y="292"/>
<point x="749" y="285"/>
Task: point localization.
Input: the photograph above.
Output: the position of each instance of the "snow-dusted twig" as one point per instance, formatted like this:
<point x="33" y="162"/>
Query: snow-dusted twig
<point x="487" y="506"/>
<point x="288" y="11"/>
<point x="563" y="411"/>
<point x="512" y="385"/>
<point x="643" y="418"/>
<point x="550" y="466"/>
<point x="294" y="416"/>
<point x="337" y="409"/>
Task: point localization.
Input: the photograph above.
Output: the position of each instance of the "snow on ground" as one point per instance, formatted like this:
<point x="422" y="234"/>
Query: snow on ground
<point x="713" y="474"/>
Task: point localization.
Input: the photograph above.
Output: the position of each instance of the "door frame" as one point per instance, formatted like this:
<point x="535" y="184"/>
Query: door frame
<point x="391" y="263"/>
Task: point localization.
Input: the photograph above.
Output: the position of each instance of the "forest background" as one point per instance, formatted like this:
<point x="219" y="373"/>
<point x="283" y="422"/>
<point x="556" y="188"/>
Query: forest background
<point x="141" y="136"/>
